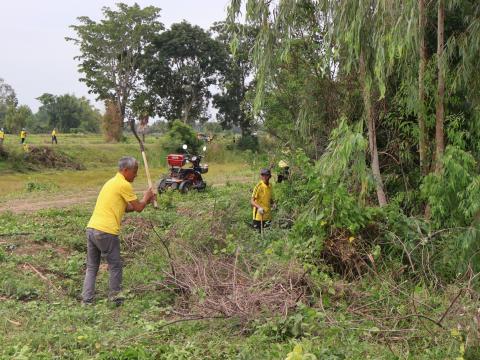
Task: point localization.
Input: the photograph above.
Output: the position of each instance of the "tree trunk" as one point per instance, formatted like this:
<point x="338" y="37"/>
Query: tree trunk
<point x="440" y="112"/>
<point x="423" y="140"/>
<point x="371" y="114"/>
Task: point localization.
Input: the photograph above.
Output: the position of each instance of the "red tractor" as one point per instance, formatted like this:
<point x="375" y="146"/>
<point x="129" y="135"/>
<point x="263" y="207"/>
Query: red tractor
<point x="184" y="179"/>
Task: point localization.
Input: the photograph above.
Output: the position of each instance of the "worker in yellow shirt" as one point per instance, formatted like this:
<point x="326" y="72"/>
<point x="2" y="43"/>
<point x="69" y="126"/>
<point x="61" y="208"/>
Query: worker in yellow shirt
<point x="2" y="136"/>
<point x="115" y="198"/>
<point x="23" y="136"/>
<point x="262" y="201"/>
<point x="54" y="136"/>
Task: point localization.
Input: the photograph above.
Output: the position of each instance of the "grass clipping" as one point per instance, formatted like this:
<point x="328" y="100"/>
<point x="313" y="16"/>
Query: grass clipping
<point x="225" y="286"/>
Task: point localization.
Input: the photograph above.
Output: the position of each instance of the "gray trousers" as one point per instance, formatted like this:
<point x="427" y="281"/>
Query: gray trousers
<point x="107" y="245"/>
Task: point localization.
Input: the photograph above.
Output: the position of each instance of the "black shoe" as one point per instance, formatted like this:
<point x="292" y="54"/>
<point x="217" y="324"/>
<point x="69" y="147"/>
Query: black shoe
<point x="88" y="302"/>
<point x="118" y="301"/>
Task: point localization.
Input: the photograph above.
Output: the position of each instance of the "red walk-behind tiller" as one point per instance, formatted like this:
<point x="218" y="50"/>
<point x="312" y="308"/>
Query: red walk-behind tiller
<point x="184" y="179"/>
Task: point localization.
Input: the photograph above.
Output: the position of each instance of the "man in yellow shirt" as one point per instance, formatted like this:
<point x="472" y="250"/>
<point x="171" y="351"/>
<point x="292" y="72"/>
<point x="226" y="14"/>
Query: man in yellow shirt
<point x="2" y="136"/>
<point x="23" y="136"/>
<point x="54" y="136"/>
<point x="115" y="198"/>
<point x="262" y="201"/>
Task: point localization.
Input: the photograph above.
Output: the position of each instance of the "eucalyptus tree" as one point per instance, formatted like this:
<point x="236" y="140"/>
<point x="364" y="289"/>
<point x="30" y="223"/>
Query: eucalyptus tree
<point x="422" y="131"/>
<point x="360" y="35"/>
<point x="440" y="110"/>
<point x="112" y="49"/>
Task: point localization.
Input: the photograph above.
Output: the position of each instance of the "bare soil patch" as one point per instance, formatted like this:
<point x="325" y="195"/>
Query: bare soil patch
<point x="24" y="246"/>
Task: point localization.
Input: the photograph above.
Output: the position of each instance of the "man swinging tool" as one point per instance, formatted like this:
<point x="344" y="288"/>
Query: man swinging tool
<point x="115" y="198"/>
<point x="262" y="201"/>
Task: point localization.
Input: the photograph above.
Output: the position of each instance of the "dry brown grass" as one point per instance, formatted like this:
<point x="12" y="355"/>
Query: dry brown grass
<point x="226" y="286"/>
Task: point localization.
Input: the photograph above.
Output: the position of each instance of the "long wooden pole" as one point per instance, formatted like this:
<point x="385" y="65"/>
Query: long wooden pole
<point x="145" y="162"/>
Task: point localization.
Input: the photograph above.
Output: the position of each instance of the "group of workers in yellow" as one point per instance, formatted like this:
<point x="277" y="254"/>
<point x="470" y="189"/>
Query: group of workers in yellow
<point x="117" y="197"/>
<point x="23" y="136"/>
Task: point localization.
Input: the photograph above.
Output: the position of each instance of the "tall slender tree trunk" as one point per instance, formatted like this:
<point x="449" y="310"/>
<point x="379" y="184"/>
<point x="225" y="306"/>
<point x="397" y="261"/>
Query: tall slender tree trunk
<point x="440" y="112"/>
<point x="371" y="114"/>
<point x="423" y="140"/>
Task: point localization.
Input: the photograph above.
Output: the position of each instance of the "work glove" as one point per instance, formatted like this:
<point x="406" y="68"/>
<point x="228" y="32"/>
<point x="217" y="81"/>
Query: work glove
<point x="261" y="210"/>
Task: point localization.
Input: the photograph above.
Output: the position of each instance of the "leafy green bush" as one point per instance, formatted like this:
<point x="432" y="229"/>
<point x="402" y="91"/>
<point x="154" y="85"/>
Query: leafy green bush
<point x="454" y="194"/>
<point x="179" y="134"/>
<point x="329" y="194"/>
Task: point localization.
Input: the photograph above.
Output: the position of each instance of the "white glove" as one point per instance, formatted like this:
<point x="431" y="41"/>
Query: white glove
<point x="261" y="210"/>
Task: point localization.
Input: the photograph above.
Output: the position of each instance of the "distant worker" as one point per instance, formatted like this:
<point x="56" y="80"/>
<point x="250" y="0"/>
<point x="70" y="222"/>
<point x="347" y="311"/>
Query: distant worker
<point x="2" y="136"/>
<point x="262" y="201"/>
<point x="115" y="198"/>
<point x="54" y="136"/>
<point x="23" y="136"/>
<point x="284" y="172"/>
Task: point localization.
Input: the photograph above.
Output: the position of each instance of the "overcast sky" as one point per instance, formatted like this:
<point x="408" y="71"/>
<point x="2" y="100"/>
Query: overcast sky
<point x="34" y="56"/>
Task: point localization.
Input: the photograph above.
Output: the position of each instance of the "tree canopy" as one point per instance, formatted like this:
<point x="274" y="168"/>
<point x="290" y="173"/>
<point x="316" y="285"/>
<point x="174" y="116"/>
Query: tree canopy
<point x="112" y="49"/>
<point x="180" y="66"/>
<point x="67" y="112"/>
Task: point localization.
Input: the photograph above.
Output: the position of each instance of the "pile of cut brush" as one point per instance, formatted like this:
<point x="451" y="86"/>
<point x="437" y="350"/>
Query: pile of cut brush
<point x="135" y="233"/>
<point x="213" y="286"/>
<point x="47" y="157"/>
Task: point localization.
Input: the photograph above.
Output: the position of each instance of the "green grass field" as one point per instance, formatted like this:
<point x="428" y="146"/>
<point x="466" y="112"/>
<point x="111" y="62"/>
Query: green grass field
<point x="100" y="160"/>
<point x="235" y="294"/>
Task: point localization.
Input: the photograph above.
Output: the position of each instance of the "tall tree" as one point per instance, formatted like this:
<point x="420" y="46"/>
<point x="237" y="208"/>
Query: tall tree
<point x="358" y="35"/>
<point x="371" y="114"/>
<point x="440" y="111"/>
<point x="66" y="112"/>
<point x="17" y="117"/>
<point x="112" y="50"/>
<point x="234" y="108"/>
<point x="8" y="99"/>
<point x="181" y="64"/>
<point x="423" y="140"/>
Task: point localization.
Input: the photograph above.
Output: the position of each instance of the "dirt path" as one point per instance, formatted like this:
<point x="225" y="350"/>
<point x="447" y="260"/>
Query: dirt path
<point x="53" y="201"/>
<point x="58" y="201"/>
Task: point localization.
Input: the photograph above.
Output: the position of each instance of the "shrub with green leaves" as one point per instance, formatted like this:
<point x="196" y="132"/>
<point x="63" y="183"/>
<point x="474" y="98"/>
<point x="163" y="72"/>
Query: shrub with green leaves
<point x="454" y="194"/>
<point x="179" y="134"/>
<point x="330" y="193"/>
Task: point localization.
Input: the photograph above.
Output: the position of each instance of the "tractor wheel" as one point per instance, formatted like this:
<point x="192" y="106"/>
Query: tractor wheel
<point x="162" y="186"/>
<point x="185" y="186"/>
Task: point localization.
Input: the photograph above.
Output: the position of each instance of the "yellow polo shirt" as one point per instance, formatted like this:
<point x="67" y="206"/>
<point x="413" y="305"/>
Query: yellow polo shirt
<point x="2" y="135"/>
<point x="263" y="195"/>
<point x="23" y="134"/>
<point x="111" y="205"/>
<point x="54" y="133"/>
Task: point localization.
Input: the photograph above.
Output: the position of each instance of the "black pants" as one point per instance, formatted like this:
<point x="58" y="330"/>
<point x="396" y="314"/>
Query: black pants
<point x="257" y="225"/>
<point x="54" y="138"/>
